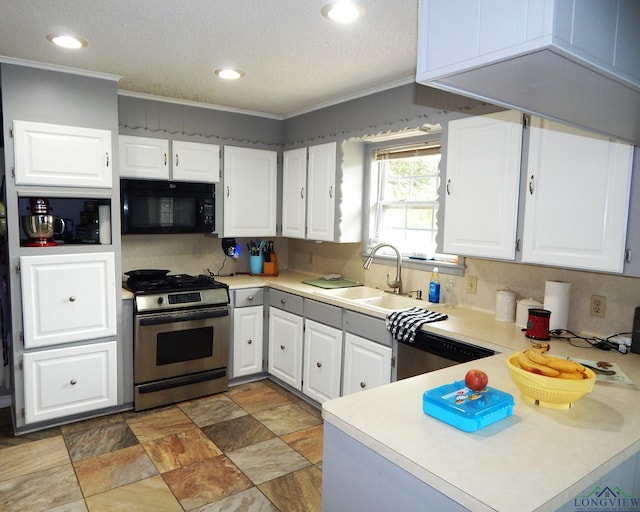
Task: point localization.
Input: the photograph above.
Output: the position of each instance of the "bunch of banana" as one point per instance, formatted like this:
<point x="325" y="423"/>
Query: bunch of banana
<point x="536" y="361"/>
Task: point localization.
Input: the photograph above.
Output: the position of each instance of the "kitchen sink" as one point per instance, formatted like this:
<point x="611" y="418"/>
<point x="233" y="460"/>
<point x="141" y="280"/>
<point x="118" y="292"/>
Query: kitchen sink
<point x="355" y="293"/>
<point x="390" y="302"/>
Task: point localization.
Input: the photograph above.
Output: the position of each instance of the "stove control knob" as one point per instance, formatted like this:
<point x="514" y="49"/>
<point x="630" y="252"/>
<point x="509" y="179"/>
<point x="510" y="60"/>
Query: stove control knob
<point x="160" y="300"/>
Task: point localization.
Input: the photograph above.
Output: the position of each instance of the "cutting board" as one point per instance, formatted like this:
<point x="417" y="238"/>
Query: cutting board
<point x="339" y="283"/>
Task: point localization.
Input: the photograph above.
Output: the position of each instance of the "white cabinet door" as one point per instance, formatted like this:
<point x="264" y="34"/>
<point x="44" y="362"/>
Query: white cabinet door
<point x="197" y="162"/>
<point x="144" y="157"/>
<point x="294" y="193"/>
<point x="366" y="364"/>
<point x="65" y="381"/>
<point x="249" y="195"/>
<point x="322" y="358"/>
<point x="321" y="184"/>
<point x="483" y="176"/>
<point x="577" y="198"/>
<point x="285" y="347"/>
<point x="68" y="297"/>
<point x="247" y="340"/>
<point x="62" y="156"/>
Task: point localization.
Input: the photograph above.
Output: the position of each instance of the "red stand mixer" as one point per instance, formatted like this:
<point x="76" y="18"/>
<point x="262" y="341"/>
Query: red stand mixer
<point x="40" y="225"/>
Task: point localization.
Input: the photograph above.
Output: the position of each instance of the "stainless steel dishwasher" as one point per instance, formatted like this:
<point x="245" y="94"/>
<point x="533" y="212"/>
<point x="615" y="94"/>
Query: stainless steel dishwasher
<point x="430" y="352"/>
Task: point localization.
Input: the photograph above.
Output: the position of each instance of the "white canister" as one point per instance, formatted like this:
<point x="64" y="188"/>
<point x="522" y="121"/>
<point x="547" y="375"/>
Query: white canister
<point x="522" y="310"/>
<point x="505" y="305"/>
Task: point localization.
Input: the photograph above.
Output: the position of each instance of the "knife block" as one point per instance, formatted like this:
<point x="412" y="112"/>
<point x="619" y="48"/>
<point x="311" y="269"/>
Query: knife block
<point x="270" y="268"/>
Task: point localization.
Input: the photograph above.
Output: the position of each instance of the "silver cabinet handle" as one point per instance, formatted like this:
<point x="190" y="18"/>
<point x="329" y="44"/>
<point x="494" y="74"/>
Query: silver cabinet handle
<point x="531" y="187"/>
<point x="281" y="347"/>
<point x="448" y="187"/>
<point x="518" y="245"/>
<point x="302" y="193"/>
<point x="177" y="159"/>
<point x="249" y="342"/>
<point x="72" y="299"/>
<point x="107" y="159"/>
<point x="627" y="255"/>
<point x="227" y="191"/>
<point x="165" y="159"/>
<point x="363" y="385"/>
<point x="331" y="192"/>
<point x="319" y="364"/>
<point x="73" y="382"/>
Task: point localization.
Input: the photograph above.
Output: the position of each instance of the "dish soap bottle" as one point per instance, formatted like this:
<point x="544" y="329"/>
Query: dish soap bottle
<point x="434" y="286"/>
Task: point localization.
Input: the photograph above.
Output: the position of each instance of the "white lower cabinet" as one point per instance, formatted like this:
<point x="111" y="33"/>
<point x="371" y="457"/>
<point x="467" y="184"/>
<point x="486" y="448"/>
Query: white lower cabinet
<point x="247" y="340"/>
<point x="65" y="381"/>
<point x="366" y="364"/>
<point x="285" y="346"/>
<point x="322" y="358"/>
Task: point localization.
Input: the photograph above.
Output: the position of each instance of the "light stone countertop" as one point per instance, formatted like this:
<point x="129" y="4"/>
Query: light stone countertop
<point x="538" y="459"/>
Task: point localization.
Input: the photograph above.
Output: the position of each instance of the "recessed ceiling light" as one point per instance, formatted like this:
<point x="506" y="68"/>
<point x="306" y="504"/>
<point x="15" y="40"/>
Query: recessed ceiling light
<point x="229" y="74"/>
<point x="342" y="11"/>
<point x="67" y="41"/>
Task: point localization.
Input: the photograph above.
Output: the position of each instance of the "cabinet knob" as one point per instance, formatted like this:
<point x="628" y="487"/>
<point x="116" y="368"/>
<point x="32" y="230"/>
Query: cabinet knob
<point x="250" y="297"/>
<point x="281" y="347"/>
<point x="73" y="382"/>
<point x="363" y="385"/>
<point x="319" y="364"/>
<point x="72" y="299"/>
<point x="282" y="301"/>
<point x="249" y="342"/>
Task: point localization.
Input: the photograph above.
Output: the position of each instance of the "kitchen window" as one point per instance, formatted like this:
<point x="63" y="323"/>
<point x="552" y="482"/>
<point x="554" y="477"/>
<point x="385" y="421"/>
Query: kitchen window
<point x="404" y="197"/>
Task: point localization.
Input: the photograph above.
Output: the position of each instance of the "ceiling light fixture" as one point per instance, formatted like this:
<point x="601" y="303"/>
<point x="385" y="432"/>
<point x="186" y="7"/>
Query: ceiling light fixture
<point x="342" y="11"/>
<point x="67" y="41"/>
<point x="229" y="74"/>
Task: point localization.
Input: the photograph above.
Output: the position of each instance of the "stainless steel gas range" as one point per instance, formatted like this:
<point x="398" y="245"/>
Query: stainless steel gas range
<point x="181" y="337"/>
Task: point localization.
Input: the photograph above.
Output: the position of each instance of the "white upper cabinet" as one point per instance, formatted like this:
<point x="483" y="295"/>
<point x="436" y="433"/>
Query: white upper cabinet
<point x="250" y="192"/>
<point x="62" y="156"/>
<point x="197" y="162"/>
<point x="321" y="201"/>
<point x="570" y="60"/>
<point x="144" y="158"/>
<point x="482" y="178"/>
<point x="149" y="158"/>
<point x="577" y="198"/>
<point x="294" y="193"/>
<point x="67" y="298"/>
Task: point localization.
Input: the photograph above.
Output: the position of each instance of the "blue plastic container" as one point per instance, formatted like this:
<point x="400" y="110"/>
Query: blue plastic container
<point x="465" y="409"/>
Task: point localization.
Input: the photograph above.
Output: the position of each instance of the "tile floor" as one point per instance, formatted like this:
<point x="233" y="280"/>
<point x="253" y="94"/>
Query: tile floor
<point x="254" y="448"/>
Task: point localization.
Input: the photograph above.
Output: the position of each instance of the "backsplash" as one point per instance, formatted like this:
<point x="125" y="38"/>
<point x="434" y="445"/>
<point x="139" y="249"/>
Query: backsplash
<point x="622" y="293"/>
<point x="194" y="254"/>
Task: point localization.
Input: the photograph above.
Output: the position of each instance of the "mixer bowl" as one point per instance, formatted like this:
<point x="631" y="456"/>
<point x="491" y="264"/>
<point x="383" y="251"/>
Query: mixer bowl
<point x="40" y="226"/>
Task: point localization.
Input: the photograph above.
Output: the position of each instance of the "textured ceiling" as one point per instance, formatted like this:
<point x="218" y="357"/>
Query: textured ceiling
<point x="295" y="60"/>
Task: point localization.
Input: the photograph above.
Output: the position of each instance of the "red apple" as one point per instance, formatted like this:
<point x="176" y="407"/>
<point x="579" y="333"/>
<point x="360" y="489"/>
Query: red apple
<point x="476" y="380"/>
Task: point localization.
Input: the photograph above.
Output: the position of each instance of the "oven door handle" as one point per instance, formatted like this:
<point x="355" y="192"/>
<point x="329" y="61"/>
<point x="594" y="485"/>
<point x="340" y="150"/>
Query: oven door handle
<point x="166" y="318"/>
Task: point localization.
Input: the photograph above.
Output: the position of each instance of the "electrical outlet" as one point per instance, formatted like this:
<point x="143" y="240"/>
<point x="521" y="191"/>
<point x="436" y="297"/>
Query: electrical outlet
<point x="598" y="305"/>
<point x="472" y="284"/>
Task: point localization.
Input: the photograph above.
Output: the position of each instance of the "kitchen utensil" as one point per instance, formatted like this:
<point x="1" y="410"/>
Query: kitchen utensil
<point x="40" y="229"/>
<point x="599" y="370"/>
<point x="551" y="392"/>
<point x="538" y="324"/>
<point x="146" y="274"/>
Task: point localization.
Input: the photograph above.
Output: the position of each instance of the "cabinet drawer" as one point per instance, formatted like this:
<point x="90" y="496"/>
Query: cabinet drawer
<point x="249" y="297"/>
<point x="65" y="381"/>
<point x="286" y="301"/>
<point x="368" y="327"/>
<point x="323" y="313"/>
<point x="68" y="297"/>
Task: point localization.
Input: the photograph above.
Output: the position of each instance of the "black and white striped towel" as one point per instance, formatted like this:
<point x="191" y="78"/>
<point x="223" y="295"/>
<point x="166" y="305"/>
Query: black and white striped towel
<point x="404" y="323"/>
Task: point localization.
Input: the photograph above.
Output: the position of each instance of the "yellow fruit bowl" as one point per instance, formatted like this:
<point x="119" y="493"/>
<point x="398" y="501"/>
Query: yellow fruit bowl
<point x="551" y="392"/>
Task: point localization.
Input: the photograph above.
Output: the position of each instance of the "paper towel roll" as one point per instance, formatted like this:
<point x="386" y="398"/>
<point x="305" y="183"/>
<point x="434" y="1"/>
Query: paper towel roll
<point x="505" y="305"/>
<point x="556" y="300"/>
<point x="104" y="223"/>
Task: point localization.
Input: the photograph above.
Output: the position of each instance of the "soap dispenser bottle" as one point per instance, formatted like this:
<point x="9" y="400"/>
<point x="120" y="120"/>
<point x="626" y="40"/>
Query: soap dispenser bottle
<point x="434" y="286"/>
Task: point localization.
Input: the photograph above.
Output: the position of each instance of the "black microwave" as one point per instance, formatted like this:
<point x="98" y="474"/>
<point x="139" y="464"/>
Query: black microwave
<point x="161" y="207"/>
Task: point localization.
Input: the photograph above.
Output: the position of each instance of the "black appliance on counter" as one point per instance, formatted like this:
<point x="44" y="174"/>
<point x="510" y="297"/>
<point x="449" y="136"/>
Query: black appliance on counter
<point x="162" y="207"/>
<point x="181" y="337"/>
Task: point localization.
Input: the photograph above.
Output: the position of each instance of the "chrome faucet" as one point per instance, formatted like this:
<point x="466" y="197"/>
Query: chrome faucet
<point x="396" y="284"/>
